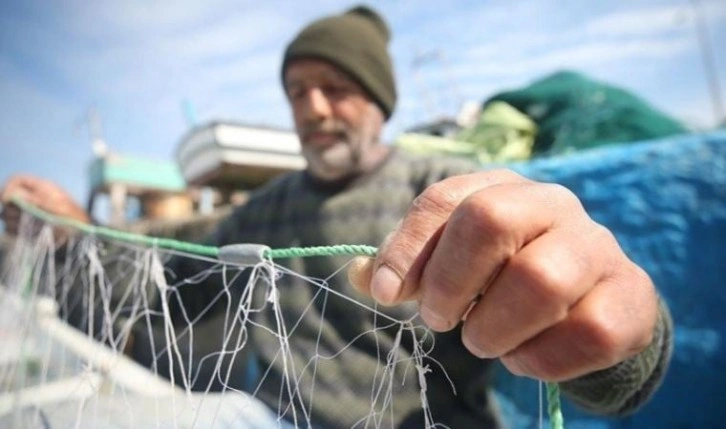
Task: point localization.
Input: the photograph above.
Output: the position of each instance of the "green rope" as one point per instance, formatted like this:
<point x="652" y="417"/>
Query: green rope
<point x="553" y="391"/>
<point x="128" y="237"/>
<point x="305" y="252"/>
<point x="192" y="248"/>
<point x="554" y="408"/>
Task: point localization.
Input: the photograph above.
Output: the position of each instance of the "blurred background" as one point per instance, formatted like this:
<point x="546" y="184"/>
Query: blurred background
<point x="139" y="74"/>
<point x="155" y="115"/>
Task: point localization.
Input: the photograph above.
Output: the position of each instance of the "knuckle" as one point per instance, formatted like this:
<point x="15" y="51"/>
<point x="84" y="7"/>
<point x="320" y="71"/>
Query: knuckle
<point x="563" y="199"/>
<point x="604" y="242"/>
<point x="600" y="340"/>
<point x="548" y="285"/>
<point x="484" y="216"/>
<point x="439" y="198"/>
<point x="506" y="175"/>
<point x="561" y="190"/>
<point x="602" y="235"/>
<point x="561" y="193"/>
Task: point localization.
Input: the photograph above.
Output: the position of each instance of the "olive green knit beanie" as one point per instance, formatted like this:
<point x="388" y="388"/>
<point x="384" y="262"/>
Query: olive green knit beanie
<point x="357" y="43"/>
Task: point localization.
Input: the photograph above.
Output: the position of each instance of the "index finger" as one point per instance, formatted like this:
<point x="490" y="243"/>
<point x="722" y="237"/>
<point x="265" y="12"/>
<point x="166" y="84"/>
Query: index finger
<point x="405" y="251"/>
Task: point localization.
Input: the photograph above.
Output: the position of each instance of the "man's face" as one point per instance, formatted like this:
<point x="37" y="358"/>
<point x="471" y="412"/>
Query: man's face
<point x="336" y="121"/>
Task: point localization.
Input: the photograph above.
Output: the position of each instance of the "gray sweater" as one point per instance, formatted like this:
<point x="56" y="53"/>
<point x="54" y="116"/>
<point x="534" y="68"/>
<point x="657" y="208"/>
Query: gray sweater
<point x="337" y="392"/>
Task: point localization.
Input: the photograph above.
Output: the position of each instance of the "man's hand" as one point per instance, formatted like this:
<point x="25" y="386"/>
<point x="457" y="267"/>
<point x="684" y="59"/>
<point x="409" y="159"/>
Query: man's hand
<point x="41" y="193"/>
<point x="536" y="281"/>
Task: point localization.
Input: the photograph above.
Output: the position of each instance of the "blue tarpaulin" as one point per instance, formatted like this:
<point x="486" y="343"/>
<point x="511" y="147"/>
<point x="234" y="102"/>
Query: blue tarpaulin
<point x="665" y="200"/>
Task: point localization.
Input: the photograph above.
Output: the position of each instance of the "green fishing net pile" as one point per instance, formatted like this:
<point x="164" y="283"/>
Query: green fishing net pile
<point x="560" y="113"/>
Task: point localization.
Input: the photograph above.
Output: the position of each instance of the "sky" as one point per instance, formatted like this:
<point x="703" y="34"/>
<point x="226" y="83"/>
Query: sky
<point x="136" y="63"/>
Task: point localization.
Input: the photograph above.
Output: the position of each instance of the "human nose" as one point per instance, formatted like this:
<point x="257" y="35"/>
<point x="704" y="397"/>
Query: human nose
<point x="317" y="105"/>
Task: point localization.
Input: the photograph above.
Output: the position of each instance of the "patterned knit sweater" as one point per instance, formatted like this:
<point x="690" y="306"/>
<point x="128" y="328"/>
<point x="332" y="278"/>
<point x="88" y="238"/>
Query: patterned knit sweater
<point x="337" y="393"/>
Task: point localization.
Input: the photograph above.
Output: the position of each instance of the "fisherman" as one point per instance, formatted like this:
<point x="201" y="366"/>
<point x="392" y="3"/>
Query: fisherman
<point x="499" y="266"/>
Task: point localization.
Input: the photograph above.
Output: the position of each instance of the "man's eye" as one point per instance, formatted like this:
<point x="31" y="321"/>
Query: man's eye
<point x="335" y="90"/>
<point x="294" y="94"/>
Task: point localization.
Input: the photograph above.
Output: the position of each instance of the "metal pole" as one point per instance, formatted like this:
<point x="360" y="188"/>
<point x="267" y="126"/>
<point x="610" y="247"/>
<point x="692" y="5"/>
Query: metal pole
<point x="709" y="62"/>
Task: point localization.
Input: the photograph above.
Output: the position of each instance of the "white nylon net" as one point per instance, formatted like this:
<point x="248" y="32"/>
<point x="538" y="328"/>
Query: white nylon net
<point x="68" y="323"/>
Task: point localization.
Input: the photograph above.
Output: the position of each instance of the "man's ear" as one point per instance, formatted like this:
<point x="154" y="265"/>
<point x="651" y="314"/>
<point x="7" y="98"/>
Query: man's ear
<point x="375" y="119"/>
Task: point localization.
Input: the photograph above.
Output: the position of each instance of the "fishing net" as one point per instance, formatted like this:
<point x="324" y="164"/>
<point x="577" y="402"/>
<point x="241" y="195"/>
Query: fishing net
<point x="73" y="316"/>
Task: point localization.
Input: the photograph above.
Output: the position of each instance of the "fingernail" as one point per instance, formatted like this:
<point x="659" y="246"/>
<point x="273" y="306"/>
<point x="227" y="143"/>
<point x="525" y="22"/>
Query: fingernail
<point x="386" y="285"/>
<point x="515" y="366"/>
<point x="475" y="350"/>
<point x="434" y="320"/>
<point x="359" y="273"/>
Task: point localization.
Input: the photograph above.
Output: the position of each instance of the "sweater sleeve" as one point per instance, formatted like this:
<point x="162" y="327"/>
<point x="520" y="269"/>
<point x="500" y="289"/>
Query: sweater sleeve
<point x="625" y="387"/>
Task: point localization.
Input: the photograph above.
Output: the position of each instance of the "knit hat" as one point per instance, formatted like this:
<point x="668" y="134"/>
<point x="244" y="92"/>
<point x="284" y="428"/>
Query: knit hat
<point x="357" y="43"/>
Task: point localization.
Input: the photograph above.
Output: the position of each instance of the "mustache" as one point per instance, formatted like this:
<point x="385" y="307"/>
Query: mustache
<point x="331" y="127"/>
